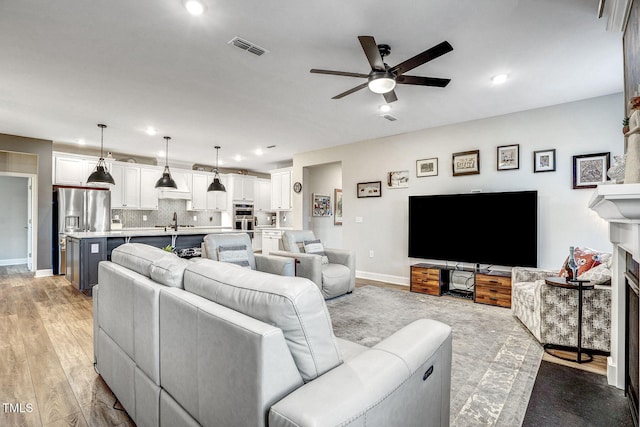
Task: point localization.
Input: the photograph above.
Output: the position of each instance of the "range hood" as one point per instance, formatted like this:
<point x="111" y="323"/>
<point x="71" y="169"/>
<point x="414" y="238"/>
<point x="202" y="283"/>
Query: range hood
<point x="183" y="191"/>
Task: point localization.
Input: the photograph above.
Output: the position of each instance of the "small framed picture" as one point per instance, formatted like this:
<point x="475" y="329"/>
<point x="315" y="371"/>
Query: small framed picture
<point x="466" y="163"/>
<point x="369" y="189"/>
<point x="398" y="179"/>
<point x="589" y="170"/>
<point x="337" y="206"/>
<point x="509" y="157"/>
<point x="427" y="167"/>
<point x="321" y="205"/>
<point x="544" y="161"/>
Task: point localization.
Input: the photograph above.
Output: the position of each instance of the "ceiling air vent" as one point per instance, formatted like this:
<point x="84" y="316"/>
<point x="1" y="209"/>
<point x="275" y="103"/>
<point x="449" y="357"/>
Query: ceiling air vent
<point x="248" y="46"/>
<point x="390" y="117"/>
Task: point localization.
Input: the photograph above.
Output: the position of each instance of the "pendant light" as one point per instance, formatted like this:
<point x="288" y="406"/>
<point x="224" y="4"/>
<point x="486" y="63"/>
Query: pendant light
<point x="166" y="181"/>
<point x="216" y="185"/>
<point x="101" y="175"/>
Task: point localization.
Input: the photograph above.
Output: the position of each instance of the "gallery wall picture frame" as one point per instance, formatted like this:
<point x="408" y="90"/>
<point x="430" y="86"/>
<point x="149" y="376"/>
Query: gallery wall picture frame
<point x="337" y="206"/>
<point x="398" y="179"/>
<point x="544" y="160"/>
<point x="589" y="170"/>
<point x="321" y="205"/>
<point x="466" y="163"/>
<point x="369" y="189"/>
<point x="427" y="167"/>
<point x="508" y="157"/>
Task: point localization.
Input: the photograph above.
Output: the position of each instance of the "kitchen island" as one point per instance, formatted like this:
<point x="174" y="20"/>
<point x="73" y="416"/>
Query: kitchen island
<point x="85" y="250"/>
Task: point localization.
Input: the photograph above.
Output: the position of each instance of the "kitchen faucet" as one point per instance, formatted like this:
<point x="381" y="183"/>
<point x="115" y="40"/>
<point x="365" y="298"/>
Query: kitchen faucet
<point x="175" y="221"/>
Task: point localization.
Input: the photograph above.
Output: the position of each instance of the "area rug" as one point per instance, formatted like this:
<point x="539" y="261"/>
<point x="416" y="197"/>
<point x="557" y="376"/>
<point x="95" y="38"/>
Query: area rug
<point x="495" y="359"/>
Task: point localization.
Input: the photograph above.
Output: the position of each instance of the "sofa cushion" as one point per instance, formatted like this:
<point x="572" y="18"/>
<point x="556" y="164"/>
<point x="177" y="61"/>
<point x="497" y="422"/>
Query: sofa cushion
<point x="293" y="304"/>
<point x="164" y="267"/>
<point x="315" y="247"/>
<point x="585" y="258"/>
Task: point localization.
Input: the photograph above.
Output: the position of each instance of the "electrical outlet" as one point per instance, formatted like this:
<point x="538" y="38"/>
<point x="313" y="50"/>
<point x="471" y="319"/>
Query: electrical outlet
<point x="358" y="219"/>
<point x="195" y="217"/>
<point x="116" y="217"/>
<point x="371" y="253"/>
<point x="144" y="217"/>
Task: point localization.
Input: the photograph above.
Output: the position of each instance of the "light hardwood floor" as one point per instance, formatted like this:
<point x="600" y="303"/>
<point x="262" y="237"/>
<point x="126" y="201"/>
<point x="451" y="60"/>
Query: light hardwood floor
<point x="46" y="355"/>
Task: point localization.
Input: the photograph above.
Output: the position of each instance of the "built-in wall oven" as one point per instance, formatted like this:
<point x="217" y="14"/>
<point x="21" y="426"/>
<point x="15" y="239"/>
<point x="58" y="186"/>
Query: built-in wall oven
<point x="243" y="216"/>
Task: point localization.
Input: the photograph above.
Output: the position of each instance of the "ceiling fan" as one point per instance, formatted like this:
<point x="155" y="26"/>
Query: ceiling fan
<point x="383" y="79"/>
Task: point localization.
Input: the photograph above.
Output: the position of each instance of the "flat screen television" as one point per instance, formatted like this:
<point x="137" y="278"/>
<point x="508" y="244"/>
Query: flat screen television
<point x="479" y="228"/>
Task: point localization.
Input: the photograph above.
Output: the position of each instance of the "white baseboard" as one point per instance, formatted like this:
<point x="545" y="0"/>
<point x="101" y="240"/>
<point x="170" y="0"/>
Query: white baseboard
<point x="44" y="273"/>
<point x="15" y="261"/>
<point x="396" y="280"/>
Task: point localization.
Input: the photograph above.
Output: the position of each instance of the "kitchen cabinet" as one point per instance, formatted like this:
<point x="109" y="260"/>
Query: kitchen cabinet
<point x="270" y="240"/>
<point x="126" y="193"/>
<point x="241" y="187"/>
<point x="256" y="242"/>
<point x="201" y="199"/>
<point x="281" y="189"/>
<point x="148" y="191"/>
<point x="262" y="195"/>
<point x="74" y="170"/>
<point x="83" y="258"/>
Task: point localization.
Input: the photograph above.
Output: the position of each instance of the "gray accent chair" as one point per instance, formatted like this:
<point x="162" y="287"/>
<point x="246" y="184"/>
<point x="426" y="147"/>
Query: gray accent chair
<point x="338" y="277"/>
<point x="265" y="263"/>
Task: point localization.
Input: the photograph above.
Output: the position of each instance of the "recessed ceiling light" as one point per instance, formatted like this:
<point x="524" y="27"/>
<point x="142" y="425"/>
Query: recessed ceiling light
<point x="195" y="7"/>
<point x="259" y="152"/>
<point x="81" y="141"/>
<point x="237" y="158"/>
<point x="161" y="153"/>
<point x="499" y="79"/>
<point x="151" y="131"/>
<point x="385" y="108"/>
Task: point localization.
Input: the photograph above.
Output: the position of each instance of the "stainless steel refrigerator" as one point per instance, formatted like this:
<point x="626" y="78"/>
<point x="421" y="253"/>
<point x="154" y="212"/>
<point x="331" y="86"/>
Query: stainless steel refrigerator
<point x="77" y="210"/>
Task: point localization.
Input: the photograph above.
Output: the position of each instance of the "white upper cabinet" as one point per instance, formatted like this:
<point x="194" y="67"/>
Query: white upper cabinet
<point x="241" y="187"/>
<point x="217" y="200"/>
<point x="262" y="195"/>
<point x="69" y="169"/>
<point x="281" y="189"/>
<point x="148" y="191"/>
<point x="126" y="193"/>
<point x="203" y="200"/>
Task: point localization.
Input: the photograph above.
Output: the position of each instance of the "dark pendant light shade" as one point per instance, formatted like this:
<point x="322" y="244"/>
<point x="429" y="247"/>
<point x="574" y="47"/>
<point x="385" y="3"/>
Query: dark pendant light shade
<point x="216" y="185"/>
<point x="101" y="175"/>
<point x="165" y="180"/>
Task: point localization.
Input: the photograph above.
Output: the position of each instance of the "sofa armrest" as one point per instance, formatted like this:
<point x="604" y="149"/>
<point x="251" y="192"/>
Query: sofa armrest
<point x="530" y="274"/>
<point x="307" y="265"/>
<point x="404" y="380"/>
<point x="282" y="266"/>
<point x="345" y="257"/>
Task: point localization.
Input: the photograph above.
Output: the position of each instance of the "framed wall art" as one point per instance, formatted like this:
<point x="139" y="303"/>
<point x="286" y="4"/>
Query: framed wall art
<point x="398" y="179"/>
<point x="369" y="189"/>
<point x="337" y="206"/>
<point x="544" y="161"/>
<point x="427" y="167"/>
<point x="466" y="163"/>
<point x="589" y="170"/>
<point x="321" y="205"/>
<point x="508" y="157"/>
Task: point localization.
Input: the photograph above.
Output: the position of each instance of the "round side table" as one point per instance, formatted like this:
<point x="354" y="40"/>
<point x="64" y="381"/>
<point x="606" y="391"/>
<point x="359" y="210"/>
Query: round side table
<point x="579" y="285"/>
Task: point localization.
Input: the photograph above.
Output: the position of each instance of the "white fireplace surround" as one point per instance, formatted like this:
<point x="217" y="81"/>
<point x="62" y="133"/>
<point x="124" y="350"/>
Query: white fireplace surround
<point x="619" y="205"/>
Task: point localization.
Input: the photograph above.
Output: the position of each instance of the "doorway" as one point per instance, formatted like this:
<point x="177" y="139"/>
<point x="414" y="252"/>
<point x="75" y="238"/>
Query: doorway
<point x="18" y="217"/>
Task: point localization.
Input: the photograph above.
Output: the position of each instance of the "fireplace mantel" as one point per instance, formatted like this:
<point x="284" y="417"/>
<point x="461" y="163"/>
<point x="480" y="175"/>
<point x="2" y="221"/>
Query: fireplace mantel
<point x="617" y="202"/>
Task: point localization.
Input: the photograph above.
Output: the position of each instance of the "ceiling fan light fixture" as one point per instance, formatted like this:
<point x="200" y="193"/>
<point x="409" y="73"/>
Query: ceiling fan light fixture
<point x="101" y="174"/>
<point x="165" y="180"/>
<point x="195" y="7"/>
<point x="216" y="185"/>
<point x="381" y="82"/>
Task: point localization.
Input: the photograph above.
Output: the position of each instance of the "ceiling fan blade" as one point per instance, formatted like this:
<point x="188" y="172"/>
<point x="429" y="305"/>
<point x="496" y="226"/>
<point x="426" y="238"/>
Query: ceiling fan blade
<point x="350" y="91"/>
<point x="421" y="58"/>
<point x="338" y="73"/>
<point x="390" y="97"/>
<point x="373" y="54"/>
<point x="422" y="81"/>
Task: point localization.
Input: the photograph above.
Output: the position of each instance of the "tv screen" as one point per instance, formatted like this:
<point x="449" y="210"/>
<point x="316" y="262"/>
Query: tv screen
<point x="479" y="228"/>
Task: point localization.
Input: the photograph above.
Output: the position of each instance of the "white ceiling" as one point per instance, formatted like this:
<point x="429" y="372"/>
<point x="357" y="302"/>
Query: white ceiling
<point x="66" y="65"/>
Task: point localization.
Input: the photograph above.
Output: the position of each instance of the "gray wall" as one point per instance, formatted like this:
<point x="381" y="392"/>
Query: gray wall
<point x="14" y="194"/>
<point x="42" y="148"/>
<point x="564" y="219"/>
<point x="324" y="179"/>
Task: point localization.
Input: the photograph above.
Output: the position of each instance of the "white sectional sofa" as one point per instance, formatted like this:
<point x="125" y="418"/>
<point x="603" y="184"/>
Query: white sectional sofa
<point x="187" y="343"/>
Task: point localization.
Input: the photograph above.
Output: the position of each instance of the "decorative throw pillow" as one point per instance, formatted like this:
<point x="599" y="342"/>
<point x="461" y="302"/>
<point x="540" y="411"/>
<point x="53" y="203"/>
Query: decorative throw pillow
<point x="586" y="259"/>
<point x="234" y="254"/>
<point x="315" y="247"/>
<point x="598" y="275"/>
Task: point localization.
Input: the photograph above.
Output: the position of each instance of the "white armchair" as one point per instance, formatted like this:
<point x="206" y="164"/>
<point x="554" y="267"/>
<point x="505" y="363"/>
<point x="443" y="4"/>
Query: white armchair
<point x="332" y="270"/>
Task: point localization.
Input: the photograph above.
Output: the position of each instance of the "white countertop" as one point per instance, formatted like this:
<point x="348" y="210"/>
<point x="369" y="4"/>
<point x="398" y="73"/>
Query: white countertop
<point x="130" y="232"/>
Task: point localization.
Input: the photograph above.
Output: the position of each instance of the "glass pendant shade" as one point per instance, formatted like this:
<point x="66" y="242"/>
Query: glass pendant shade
<point x="165" y="180"/>
<point x="216" y="185"/>
<point x="101" y="175"/>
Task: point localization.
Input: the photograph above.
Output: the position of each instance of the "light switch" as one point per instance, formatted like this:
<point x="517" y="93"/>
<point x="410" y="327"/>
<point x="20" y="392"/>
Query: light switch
<point x="144" y="217"/>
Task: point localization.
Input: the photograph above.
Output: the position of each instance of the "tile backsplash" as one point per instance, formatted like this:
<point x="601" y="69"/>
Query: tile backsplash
<point x="164" y="215"/>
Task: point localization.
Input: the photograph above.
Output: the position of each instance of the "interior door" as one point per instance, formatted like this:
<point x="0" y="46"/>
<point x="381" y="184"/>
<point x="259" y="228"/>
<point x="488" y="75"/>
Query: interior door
<point x="30" y="224"/>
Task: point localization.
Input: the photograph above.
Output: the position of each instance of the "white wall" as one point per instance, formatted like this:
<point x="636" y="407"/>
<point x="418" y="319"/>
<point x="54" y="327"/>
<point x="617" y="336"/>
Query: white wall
<point x="324" y="179"/>
<point x="13" y="217"/>
<point x="583" y="127"/>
